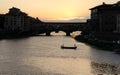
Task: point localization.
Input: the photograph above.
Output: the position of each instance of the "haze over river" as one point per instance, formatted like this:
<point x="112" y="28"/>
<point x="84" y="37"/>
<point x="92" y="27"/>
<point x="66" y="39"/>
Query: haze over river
<point x="42" y="55"/>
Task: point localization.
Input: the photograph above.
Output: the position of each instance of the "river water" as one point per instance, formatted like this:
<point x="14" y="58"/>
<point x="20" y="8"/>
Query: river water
<point x="42" y="55"/>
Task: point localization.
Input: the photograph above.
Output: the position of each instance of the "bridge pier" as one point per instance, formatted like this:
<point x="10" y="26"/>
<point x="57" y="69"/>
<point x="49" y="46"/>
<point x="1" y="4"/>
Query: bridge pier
<point x="67" y="33"/>
<point x="47" y="33"/>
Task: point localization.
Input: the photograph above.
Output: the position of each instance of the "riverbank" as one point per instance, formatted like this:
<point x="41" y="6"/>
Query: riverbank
<point x="14" y="35"/>
<point x="102" y="44"/>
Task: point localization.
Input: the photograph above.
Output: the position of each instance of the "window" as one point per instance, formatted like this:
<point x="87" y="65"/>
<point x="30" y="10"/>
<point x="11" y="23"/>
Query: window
<point x="94" y="11"/>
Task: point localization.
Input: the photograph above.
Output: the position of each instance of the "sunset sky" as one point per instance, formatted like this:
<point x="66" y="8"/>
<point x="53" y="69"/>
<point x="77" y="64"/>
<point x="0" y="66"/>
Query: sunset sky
<point x="53" y="10"/>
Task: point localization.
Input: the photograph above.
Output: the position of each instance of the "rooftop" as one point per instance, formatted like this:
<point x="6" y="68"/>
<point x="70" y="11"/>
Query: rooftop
<point x="15" y="11"/>
<point x="107" y="6"/>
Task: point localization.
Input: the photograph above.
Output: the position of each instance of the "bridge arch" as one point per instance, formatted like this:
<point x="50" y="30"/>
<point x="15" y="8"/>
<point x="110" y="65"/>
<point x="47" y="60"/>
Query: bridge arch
<point x="60" y="32"/>
<point x="68" y="28"/>
<point x="48" y="33"/>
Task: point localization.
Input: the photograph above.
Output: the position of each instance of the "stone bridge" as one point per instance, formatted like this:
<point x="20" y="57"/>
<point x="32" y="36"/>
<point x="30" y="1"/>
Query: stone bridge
<point x="66" y="27"/>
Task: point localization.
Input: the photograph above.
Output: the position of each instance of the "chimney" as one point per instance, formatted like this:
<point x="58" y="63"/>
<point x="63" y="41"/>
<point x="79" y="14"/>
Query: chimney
<point x="104" y="3"/>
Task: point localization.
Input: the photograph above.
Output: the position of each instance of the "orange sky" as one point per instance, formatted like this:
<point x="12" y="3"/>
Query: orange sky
<point x="48" y="10"/>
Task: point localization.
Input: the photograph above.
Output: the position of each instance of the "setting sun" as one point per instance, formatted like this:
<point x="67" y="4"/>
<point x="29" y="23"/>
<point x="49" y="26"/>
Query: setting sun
<point x="69" y="13"/>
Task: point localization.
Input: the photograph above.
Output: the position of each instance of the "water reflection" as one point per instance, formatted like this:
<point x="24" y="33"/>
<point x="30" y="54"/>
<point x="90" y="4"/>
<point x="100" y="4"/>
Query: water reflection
<point x="105" y="68"/>
<point x="65" y="66"/>
<point x="41" y="55"/>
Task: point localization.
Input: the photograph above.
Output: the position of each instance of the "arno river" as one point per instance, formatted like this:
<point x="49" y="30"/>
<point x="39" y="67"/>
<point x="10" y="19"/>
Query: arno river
<point x="42" y="55"/>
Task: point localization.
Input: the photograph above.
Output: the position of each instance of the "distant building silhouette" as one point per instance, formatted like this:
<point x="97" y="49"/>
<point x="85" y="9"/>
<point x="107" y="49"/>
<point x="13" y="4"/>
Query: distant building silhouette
<point x="16" y="21"/>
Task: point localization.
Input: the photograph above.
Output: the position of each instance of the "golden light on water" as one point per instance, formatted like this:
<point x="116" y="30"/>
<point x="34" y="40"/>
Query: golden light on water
<point x="65" y="66"/>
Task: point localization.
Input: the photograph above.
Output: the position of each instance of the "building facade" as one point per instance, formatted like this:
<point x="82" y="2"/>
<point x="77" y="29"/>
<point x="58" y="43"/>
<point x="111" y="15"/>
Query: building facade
<point x="106" y="18"/>
<point x="17" y="21"/>
<point x="2" y="18"/>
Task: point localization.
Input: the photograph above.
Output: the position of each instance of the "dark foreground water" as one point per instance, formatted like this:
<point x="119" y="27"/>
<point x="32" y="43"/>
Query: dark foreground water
<point x="42" y="55"/>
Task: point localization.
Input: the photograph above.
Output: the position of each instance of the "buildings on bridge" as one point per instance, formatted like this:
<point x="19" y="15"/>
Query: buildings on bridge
<point x="66" y="27"/>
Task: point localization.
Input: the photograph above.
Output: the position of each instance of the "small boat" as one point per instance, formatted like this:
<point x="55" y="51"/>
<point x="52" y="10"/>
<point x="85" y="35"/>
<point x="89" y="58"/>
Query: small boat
<point x="66" y="47"/>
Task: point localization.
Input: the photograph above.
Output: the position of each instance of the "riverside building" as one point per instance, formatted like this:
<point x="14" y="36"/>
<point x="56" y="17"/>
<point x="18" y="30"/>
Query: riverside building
<point x="105" y="21"/>
<point x="16" y="21"/>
